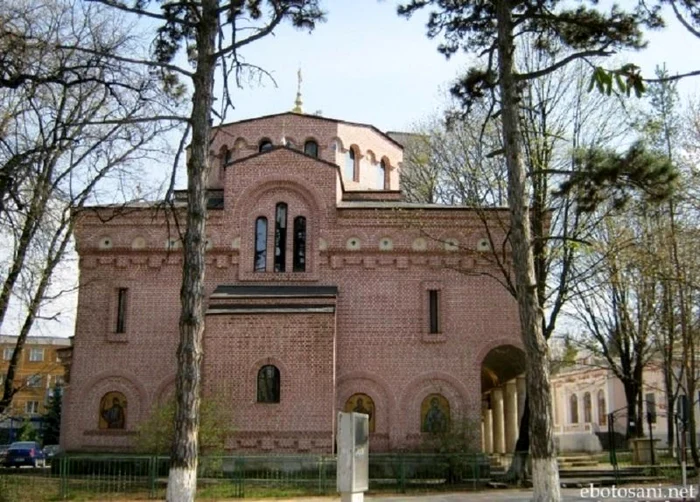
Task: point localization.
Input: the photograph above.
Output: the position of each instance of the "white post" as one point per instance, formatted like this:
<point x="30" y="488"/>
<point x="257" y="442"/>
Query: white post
<point x="352" y="473"/>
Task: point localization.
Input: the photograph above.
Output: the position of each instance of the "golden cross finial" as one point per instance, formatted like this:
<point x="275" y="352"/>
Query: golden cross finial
<point x="298" y="102"/>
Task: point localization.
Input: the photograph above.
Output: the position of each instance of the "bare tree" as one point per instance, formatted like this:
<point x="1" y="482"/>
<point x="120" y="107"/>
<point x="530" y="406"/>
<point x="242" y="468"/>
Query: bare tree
<point x="60" y="144"/>
<point x="211" y="33"/>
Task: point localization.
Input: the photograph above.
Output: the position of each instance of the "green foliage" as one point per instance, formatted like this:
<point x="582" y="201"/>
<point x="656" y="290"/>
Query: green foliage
<point x="602" y="175"/>
<point x="462" y="436"/>
<point x="156" y="433"/>
<point x="52" y="417"/>
<point x="627" y="79"/>
<point x="583" y="31"/>
<point x="27" y="432"/>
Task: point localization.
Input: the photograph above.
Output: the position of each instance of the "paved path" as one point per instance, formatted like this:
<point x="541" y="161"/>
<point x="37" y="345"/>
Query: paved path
<point x="514" y="495"/>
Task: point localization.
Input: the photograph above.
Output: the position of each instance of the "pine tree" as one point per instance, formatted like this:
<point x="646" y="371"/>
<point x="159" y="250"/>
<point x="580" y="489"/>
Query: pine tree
<point x="493" y="29"/>
<point x="52" y="417"/>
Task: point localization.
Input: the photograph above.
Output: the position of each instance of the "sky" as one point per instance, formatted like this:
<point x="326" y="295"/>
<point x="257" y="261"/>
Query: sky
<point x="366" y="64"/>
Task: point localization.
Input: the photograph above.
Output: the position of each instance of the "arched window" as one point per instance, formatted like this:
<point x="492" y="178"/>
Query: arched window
<point x="362" y="403"/>
<point x="381" y="175"/>
<point x="228" y="156"/>
<point x="260" y="264"/>
<point x="112" y="411"/>
<point x="573" y="409"/>
<point x="269" y="384"/>
<point x="350" y="165"/>
<point x="299" y="250"/>
<point x="587" y="408"/>
<point x="311" y="148"/>
<point x="280" y="237"/>
<point x="265" y="145"/>
<point x="435" y="414"/>
<point x="602" y="409"/>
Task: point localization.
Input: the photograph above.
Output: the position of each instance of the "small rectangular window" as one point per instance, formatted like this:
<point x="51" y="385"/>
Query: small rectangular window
<point x="121" y="310"/>
<point x="434" y="310"/>
<point x="7" y="353"/>
<point x="36" y="355"/>
<point x="31" y="407"/>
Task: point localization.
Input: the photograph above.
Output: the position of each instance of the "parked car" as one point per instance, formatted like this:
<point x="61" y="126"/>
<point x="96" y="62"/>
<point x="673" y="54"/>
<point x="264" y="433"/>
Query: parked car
<point x="25" y="453"/>
<point x="51" y="451"/>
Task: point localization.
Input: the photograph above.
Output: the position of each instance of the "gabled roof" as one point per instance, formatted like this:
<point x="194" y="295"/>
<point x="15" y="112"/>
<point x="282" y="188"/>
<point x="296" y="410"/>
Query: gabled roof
<point x="315" y="117"/>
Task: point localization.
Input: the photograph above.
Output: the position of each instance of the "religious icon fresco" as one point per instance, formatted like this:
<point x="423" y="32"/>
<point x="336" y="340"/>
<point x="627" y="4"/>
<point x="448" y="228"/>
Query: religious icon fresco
<point x="361" y="403"/>
<point x="435" y="414"/>
<point x="113" y="411"/>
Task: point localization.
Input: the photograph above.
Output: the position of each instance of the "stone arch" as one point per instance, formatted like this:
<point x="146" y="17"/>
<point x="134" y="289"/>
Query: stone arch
<point x="436" y="382"/>
<point x="93" y="391"/>
<point x="163" y="390"/>
<point x="501" y="363"/>
<point x="295" y="185"/>
<point x="371" y="156"/>
<point x="286" y="378"/>
<point x="489" y="345"/>
<point x="337" y="142"/>
<point x="374" y="386"/>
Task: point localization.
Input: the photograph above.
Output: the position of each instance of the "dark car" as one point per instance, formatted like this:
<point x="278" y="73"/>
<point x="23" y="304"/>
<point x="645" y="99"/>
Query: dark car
<point x="51" y="451"/>
<point x="25" y="453"/>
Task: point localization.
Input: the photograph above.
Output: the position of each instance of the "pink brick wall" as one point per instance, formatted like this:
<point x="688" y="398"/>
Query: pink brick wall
<point x="377" y="342"/>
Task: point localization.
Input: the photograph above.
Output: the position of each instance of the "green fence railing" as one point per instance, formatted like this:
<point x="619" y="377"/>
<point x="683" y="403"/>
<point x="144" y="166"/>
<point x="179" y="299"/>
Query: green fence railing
<point x="105" y="477"/>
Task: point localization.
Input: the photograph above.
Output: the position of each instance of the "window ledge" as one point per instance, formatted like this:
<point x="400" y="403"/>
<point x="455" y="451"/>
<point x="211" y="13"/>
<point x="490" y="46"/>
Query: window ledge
<point x="117" y="338"/>
<point x="109" y="432"/>
<point x="433" y="338"/>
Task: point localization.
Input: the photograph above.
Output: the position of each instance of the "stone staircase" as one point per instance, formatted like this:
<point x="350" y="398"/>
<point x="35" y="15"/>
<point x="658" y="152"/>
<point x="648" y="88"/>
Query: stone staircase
<point x="577" y="471"/>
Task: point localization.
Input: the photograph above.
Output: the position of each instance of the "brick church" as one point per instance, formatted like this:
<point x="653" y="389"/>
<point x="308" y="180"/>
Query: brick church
<point x="326" y="291"/>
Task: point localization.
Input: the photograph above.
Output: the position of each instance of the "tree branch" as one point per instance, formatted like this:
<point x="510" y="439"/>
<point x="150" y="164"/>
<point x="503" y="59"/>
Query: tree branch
<point x="563" y="62"/>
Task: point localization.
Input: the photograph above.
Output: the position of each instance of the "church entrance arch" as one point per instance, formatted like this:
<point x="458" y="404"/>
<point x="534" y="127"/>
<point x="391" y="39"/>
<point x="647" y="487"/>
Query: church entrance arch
<point x="503" y="397"/>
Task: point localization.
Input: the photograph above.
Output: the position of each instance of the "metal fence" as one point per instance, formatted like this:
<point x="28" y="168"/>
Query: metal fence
<point x="102" y="477"/>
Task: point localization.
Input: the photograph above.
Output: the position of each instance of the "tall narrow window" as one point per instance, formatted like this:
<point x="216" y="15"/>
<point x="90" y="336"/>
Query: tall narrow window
<point x="573" y="408"/>
<point x="651" y="407"/>
<point x="434" y="310"/>
<point x="121" y="310"/>
<point x="381" y="175"/>
<point x="311" y="148"/>
<point x="299" y="250"/>
<point x="602" y="409"/>
<point x="260" y="244"/>
<point x="350" y="165"/>
<point x="587" y="408"/>
<point x="280" y="237"/>
<point x="269" y="384"/>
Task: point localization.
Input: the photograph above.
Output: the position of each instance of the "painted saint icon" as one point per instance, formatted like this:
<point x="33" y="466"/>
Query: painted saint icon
<point x="435" y="414"/>
<point x="113" y="411"/>
<point x="361" y="403"/>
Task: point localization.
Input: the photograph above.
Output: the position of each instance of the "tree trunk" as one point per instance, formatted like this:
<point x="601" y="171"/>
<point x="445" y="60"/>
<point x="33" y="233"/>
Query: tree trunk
<point x="518" y="472"/>
<point x="545" y="474"/>
<point x="182" y="480"/>
<point x="631" y="394"/>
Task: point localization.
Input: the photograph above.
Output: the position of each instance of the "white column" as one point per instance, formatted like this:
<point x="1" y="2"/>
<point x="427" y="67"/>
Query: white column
<point x="499" y="438"/>
<point x="510" y="412"/>
<point x="487" y="430"/>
